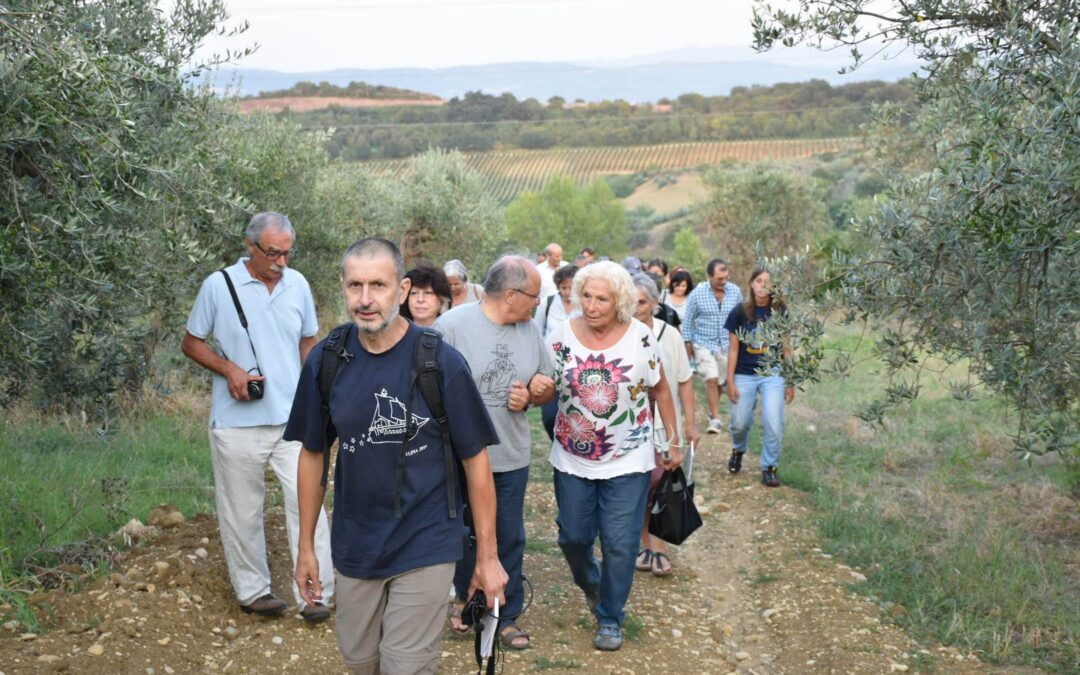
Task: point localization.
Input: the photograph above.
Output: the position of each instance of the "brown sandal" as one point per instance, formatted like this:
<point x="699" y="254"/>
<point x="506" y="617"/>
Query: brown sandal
<point x="510" y="633"/>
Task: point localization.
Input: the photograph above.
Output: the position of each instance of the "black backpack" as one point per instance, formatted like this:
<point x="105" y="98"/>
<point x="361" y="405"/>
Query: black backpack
<point x="667" y="314"/>
<point x="425" y="374"/>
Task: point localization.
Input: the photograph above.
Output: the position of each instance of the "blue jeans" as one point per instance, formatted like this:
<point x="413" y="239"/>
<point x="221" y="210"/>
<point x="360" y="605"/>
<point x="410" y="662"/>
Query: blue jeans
<point x="614" y="508"/>
<point x="771" y="388"/>
<point x="510" y="533"/>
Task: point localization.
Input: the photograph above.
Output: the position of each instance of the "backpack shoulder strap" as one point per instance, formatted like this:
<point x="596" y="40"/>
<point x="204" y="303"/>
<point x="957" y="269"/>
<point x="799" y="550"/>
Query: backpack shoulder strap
<point x="426" y="376"/>
<point x="334" y="353"/>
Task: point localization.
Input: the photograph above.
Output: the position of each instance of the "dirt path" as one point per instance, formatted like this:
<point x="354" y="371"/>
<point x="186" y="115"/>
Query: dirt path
<point x="751" y="593"/>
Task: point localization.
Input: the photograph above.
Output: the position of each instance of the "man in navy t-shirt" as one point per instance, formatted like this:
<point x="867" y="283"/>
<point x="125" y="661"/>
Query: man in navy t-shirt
<point x="393" y="541"/>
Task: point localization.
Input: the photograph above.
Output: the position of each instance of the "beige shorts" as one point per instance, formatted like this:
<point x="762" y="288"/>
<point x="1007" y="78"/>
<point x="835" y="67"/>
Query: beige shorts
<point x="393" y="625"/>
<point x="710" y="365"/>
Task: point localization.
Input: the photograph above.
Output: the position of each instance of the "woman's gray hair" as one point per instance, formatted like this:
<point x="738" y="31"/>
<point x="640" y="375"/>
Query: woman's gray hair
<point x="267" y="220"/>
<point x="455" y="268"/>
<point x="645" y="283"/>
<point x="617" y="278"/>
<point x="510" y="272"/>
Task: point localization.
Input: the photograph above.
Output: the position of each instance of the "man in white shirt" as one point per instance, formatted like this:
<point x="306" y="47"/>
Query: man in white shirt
<point x="256" y="365"/>
<point x="554" y="261"/>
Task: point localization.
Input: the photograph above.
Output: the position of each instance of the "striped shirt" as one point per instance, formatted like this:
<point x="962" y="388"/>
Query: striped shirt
<point x="703" y="324"/>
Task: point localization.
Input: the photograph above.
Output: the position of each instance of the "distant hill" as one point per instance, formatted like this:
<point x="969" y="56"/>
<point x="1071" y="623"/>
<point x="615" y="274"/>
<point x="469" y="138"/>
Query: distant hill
<point x="353" y="89"/>
<point x="307" y="96"/>
<point x="631" y="82"/>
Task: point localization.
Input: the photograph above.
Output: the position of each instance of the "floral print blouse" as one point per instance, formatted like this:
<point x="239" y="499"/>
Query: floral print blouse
<point x="604" y="425"/>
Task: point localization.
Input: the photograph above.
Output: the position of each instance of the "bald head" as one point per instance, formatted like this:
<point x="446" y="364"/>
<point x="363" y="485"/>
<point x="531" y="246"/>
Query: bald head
<point x="554" y="254"/>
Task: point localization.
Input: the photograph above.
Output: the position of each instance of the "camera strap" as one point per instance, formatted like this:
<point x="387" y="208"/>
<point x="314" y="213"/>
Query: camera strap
<point x="240" y="313"/>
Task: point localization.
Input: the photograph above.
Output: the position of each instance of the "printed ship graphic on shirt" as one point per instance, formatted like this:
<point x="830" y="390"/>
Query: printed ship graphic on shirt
<point x="389" y="423"/>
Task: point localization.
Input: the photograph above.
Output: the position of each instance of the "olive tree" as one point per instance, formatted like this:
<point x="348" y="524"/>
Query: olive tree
<point x="103" y="194"/>
<point x="976" y="257"/>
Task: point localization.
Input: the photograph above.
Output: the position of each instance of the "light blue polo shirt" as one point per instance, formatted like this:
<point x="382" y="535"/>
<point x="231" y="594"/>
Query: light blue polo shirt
<point x="277" y="321"/>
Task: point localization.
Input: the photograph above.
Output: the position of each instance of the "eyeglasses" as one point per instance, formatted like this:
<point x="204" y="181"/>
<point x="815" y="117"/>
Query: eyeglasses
<point x="274" y="255"/>
<point x="535" y="297"/>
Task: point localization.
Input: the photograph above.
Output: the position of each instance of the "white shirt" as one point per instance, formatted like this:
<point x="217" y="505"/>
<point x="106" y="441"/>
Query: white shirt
<point x="604" y="425"/>
<point x="547" y="279"/>
<point x="676" y="366"/>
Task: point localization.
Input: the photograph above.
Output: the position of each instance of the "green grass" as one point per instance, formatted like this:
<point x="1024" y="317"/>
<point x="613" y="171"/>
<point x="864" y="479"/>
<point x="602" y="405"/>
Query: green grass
<point x="64" y="484"/>
<point x="544" y="663"/>
<point x="632" y="627"/>
<point x="976" y="548"/>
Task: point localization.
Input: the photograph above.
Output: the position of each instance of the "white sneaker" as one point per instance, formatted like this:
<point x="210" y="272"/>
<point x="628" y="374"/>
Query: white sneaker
<point x="715" y="426"/>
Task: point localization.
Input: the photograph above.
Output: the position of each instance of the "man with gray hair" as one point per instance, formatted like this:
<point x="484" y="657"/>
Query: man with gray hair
<point x="513" y="370"/>
<point x="262" y="317"/>
<point x="397" y="513"/>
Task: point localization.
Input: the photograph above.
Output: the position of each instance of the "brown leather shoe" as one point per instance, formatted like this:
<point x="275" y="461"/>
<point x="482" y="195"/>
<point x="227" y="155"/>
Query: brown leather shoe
<point x="267" y="605"/>
<point x="315" y="612"/>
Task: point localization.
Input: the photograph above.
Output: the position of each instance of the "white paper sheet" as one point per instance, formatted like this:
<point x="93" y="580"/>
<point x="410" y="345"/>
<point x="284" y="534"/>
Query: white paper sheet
<point x="487" y="637"/>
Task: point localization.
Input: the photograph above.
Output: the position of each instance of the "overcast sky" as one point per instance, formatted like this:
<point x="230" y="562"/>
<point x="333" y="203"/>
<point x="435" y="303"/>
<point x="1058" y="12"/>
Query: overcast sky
<point x="296" y="35"/>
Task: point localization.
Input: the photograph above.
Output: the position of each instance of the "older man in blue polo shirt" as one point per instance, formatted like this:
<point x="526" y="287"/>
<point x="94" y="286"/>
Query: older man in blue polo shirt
<point x="246" y="429"/>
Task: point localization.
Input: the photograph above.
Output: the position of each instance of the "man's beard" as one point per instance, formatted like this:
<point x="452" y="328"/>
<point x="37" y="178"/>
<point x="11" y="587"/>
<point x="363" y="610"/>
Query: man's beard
<point x="391" y="314"/>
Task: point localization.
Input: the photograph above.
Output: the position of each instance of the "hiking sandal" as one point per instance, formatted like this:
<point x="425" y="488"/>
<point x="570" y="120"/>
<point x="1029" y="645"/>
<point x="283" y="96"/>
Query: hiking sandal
<point x="511" y="636"/>
<point x="644" y="560"/>
<point x="661" y="566"/>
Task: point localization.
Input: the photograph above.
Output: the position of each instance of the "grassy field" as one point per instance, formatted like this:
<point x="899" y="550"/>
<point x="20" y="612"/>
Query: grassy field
<point x="64" y="483"/>
<point x="511" y="172"/>
<point x="971" y="545"/>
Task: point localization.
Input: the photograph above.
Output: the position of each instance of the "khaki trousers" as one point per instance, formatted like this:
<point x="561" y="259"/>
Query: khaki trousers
<point x="393" y="626"/>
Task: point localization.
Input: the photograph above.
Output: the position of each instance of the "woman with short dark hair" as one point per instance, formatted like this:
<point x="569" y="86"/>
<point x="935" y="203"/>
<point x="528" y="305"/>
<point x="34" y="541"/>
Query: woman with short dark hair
<point x="678" y="290"/>
<point x="430" y="291"/>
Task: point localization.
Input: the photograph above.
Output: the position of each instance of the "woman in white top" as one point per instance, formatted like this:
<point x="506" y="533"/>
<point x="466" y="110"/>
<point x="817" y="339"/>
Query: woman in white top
<point x="606" y="366"/>
<point x="652" y="557"/>
<point x="559" y="306"/>
<point x="461" y="291"/>
<point x="556" y="309"/>
<point x="678" y="290"/>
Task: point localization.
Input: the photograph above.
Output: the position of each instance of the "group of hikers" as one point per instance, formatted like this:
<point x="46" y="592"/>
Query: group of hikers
<point x="426" y="390"/>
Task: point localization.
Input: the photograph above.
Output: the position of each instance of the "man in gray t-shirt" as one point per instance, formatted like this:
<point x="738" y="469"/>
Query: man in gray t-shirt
<point x="512" y="370"/>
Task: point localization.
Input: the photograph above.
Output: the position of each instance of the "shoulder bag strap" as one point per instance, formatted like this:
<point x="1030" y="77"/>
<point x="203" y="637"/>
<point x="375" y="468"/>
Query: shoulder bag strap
<point x="240" y="313"/>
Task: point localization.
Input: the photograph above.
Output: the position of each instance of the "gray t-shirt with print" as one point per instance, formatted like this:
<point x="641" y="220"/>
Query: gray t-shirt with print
<point x="499" y="355"/>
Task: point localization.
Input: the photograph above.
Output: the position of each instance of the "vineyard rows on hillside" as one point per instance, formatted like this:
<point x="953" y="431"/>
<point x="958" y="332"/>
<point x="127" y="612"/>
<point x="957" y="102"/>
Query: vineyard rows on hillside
<point x="509" y="173"/>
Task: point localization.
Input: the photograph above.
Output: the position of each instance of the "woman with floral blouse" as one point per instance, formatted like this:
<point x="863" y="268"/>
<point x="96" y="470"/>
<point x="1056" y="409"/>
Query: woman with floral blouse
<point x="606" y="366"/>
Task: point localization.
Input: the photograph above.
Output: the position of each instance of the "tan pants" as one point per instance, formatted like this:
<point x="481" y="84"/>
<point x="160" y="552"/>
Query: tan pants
<point x="393" y="626"/>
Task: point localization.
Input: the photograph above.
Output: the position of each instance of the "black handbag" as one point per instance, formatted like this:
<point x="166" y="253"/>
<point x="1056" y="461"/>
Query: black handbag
<point x="674" y="516"/>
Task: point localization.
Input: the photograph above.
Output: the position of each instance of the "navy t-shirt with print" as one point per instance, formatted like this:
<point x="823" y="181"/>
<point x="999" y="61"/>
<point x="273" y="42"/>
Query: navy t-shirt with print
<point x="752" y="347"/>
<point x="368" y="407"/>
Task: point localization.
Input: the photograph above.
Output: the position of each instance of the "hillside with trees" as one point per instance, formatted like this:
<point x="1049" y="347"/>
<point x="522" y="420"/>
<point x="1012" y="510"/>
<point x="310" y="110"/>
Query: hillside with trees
<point x="479" y="122"/>
<point x="325" y="89"/>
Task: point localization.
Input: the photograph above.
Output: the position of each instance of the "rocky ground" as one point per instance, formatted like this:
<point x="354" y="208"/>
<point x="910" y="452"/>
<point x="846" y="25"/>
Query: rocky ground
<point x="751" y="592"/>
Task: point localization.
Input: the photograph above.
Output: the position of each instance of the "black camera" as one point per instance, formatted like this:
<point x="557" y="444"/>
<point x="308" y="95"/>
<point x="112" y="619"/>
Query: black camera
<point x="473" y="611"/>
<point x="255" y="389"/>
